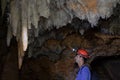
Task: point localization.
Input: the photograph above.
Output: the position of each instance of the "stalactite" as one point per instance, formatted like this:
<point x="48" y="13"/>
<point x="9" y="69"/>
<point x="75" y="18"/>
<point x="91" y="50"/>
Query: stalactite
<point x="29" y="15"/>
<point x="9" y="35"/>
<point x="24" y="24"/>
<point x="20" y="52"/>
<point x="34" y="13"/>
<point x="3" y="5"/>
<point x="15" y="16"/>
<point x="105" y="8"/>
<point x="19" y="30"/>
<point x="43" y="8"/>
<point x="24" y="13"/>
<point x="91" y="10"/>
<point x="24" y="37"/>
<point x="59" y="16"/>
<point x="60" y="12"/>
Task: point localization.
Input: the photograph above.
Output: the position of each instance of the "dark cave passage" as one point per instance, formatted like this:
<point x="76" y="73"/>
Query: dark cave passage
<point x="107" y="67"/>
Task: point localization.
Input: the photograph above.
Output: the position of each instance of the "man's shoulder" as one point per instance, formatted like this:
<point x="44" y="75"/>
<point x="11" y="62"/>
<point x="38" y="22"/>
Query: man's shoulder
<point x="85" y="68"/>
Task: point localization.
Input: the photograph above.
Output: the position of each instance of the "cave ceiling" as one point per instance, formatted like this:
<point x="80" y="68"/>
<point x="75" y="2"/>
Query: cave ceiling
<point x="33" y="22"/>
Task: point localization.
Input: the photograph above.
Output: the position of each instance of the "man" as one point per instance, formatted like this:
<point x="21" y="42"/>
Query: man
<point x="84" y="71"/>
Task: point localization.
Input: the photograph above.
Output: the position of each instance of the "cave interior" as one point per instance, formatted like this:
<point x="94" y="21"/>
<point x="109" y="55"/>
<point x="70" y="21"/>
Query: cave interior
<point x="46" y="52"/>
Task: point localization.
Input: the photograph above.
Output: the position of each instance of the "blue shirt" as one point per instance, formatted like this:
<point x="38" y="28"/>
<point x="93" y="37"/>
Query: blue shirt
<point x="84" y="73"/>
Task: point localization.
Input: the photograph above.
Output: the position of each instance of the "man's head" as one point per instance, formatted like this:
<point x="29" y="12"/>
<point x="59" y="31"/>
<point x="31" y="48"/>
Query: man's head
<point x="83" y="53"/>
<point x="81" y="56"/>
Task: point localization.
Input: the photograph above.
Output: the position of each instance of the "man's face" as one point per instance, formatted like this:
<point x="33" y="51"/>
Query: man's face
<point x="78" y="58"/>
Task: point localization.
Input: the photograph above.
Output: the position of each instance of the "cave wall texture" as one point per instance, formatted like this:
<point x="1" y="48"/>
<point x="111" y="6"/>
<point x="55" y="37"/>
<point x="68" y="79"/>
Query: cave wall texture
<point x="28" y="19"/>
<point x="51" y="35"/>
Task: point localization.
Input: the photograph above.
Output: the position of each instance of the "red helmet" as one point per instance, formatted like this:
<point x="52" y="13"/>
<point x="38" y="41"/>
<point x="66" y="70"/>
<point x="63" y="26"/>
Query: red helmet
<point x="83" y="52"/>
